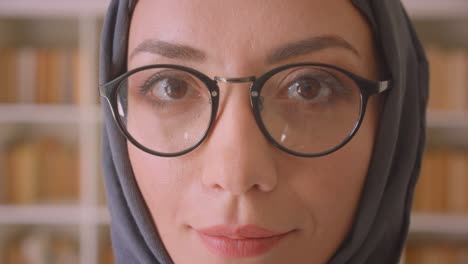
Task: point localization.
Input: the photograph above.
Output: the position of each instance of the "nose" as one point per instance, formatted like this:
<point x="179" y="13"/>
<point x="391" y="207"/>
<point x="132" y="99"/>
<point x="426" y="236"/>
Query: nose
<point x="239" y="157"/>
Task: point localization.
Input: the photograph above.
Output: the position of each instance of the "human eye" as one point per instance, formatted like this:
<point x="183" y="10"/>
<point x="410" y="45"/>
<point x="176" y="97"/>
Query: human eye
<point x="169" y="87"/>
<point x="310" y="86"/>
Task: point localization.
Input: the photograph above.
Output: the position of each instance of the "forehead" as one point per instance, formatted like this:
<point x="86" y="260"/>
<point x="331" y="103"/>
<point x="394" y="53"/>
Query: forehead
<point x="247" y="28"/>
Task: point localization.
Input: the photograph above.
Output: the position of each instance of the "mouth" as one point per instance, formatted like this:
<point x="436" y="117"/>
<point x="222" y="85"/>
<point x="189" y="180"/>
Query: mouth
<point x="239" y="241"/>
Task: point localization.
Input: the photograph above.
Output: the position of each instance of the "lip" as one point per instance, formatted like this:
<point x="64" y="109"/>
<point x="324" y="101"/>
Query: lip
<point x="239" y="241"/>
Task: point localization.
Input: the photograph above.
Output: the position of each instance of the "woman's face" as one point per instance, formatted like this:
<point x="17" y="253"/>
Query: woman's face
<point x="214" y="204"/>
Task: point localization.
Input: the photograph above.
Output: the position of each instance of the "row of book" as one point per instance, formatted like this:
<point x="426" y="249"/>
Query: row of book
<point x="443" y="183"/>
<point x="43" y="170"/>
<point x="436" y="253"/>
<point x="38" y="245"/>
<point x="39" y="75"/>
<point x="448" y="78"/>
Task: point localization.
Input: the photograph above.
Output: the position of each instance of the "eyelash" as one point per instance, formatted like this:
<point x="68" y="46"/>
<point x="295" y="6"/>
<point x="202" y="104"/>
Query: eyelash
<point x="144" y="88"/>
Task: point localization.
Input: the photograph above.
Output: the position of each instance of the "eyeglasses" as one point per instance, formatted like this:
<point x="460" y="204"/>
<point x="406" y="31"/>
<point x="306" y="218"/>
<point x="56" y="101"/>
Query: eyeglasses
<point x="305" y="109"/>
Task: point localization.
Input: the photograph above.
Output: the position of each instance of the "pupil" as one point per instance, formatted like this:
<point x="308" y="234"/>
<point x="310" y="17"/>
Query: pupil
<point x="175" y="89"/>
<point x="308" y="89"/>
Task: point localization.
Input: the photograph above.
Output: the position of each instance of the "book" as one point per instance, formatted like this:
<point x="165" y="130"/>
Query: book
<point x="64" y="249"/>
<point x="3" y="181"/>
<point x="443" y="183"/>
<point x="448" y="79"/>
<point x="12" y="252"/>
<point x="457" y="183"/>
<point x="430" y="254"/>
<point x="430" y="193"/>
<point x="40" y="75"/>
<point x="75" y="77"/>
<point x="106" y="254"/>
<point x="22" y="172"/>
<point x="40" y="246"/>
<point x="26" y="75"/>
<point x="66" y="78"/>
<point x="438" y="79"/>
<point x="53" y="71"/>
<point x="43" y="170"/>
<point x="59" y="172"/>
<point x="457" y="76"/>
<point x="436" y="253"/>
<point x="8" y="70"/>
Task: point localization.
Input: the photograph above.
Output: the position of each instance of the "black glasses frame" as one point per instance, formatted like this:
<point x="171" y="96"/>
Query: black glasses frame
<point x="367" y="88"/>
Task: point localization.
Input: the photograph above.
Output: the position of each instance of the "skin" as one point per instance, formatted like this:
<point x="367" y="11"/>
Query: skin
<point x="236" y="176"/>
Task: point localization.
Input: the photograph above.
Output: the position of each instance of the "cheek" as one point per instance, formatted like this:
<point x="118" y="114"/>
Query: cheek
<point x="162" y="182"/>
<point x="330" y="186"/>
<point x="329" y="189"/>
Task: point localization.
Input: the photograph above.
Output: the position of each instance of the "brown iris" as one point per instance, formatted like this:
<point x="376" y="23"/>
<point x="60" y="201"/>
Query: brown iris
<point x="175" y="89"/>
<point x="308" y="89"/>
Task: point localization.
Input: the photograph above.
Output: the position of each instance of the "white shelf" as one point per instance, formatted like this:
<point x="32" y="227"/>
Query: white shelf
<point x="437" y="9"/>
<point x="52" y="215"/>
<point x="439" y="226"/>
<point x="447" y="119"/>
<point x="446" y="128"/>
<point x="52" y="8"/>
<point x="46" y="114"/>
<point x="426" y="9"/>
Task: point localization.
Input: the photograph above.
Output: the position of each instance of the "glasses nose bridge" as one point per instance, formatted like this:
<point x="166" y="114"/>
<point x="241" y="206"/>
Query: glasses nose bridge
<point x="248" y="79"/>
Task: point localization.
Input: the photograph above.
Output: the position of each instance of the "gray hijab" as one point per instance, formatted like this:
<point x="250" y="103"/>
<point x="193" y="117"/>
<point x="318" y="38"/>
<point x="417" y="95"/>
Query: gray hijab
<point x="381" y="223"/>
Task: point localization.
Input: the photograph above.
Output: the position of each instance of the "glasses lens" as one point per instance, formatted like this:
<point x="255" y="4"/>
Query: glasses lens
<point x="310" y="110"/>
<point x="165" y="110"/>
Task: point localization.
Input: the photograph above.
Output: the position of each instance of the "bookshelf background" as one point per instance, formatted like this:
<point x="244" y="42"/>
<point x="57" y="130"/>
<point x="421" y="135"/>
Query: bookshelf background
<point x="54" y="46"/>
<point x="72" y="227"/>
<point x="439" y="228"/>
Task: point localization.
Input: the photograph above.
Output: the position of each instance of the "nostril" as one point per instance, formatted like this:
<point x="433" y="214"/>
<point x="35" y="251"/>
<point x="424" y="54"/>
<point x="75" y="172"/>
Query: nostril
<point x="217" y="187"/>
<point x="256" y="187"/>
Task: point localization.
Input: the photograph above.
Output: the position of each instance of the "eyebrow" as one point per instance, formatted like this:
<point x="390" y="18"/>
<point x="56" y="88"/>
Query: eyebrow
<point x="169" y="50"/>
<point x="289" y="50"/>
<point x="310" y="45"/>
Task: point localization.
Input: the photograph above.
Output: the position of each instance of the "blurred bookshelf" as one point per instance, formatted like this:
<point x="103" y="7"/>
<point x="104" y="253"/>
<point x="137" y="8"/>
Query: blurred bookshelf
<point x="439" y="224"/>
<point x="51" y="196"/>
<point x="51" y="112"/>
